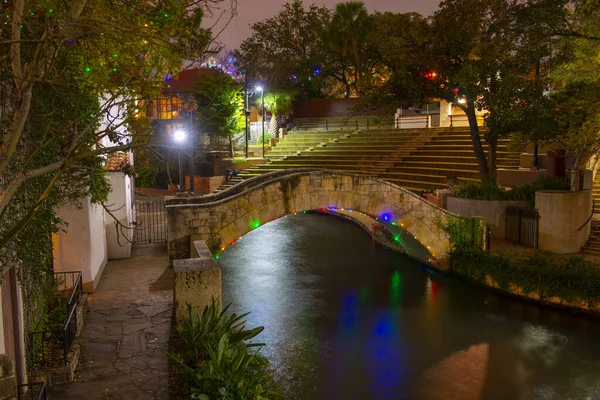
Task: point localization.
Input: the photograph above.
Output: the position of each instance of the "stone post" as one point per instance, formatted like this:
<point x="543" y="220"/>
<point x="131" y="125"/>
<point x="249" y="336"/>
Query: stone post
<point x="197" y="281"/>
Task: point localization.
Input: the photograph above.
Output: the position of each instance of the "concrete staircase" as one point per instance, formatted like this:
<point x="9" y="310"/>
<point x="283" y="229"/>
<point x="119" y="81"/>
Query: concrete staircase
<point x="593" y="244"/>
<point x="416" y="159"/>
<point x="448" y="151"/>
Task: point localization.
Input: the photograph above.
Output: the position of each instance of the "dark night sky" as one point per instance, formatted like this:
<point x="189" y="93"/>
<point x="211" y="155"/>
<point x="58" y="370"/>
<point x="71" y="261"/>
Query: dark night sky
<point x="250" y="11"/>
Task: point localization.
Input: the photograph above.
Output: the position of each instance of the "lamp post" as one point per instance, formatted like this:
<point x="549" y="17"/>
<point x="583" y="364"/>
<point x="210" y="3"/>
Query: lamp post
<point x="246" y="112"/>
<point x="179" y="137"/>
<point x="262" y="117"/>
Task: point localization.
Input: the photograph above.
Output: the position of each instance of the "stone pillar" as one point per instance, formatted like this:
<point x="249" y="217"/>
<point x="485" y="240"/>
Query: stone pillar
<point x="197" y="282"/>
<point x="8" y="382"/>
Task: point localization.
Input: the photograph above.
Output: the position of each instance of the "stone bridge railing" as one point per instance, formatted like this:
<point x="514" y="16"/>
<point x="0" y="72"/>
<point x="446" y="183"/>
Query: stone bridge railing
<point x="223" y="219"/>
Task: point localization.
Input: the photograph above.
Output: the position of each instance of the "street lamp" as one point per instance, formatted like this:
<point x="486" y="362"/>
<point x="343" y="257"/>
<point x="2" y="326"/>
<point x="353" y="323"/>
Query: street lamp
<point x="179" y="137"/>
<point x="262" y="117"/>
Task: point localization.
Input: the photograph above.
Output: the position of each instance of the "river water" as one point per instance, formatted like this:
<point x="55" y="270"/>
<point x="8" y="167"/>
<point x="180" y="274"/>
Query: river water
<point x="347" y="320"/>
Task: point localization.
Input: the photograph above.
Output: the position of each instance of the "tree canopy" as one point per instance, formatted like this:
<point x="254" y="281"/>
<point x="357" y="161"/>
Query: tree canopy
<point x="73" y="73"/>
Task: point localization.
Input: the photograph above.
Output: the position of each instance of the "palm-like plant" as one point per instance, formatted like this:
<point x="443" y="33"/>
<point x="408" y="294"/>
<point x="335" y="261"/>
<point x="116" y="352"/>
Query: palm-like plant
<point x="348" y="30"/>
<point x="278" y="103"/>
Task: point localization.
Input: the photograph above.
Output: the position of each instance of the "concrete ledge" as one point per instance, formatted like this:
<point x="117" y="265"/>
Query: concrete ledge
<point x="516" y="177"/>
<point x="576" y="304"/>
<point x="197" y="281"/>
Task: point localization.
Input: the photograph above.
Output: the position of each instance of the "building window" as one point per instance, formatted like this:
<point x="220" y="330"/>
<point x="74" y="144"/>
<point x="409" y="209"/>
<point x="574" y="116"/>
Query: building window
<point x="166" y="107"/>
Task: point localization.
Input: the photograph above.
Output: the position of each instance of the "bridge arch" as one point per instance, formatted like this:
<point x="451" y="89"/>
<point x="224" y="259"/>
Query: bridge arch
<point x="221" y="219"/>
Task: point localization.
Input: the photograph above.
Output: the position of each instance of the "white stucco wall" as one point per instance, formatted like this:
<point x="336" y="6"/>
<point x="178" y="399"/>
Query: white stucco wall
<point x="82" y="247"/>
<point x="120" y="205"/>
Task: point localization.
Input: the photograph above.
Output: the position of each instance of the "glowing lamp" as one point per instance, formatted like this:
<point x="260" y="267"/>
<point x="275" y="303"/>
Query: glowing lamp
<point x="179" y="135"/>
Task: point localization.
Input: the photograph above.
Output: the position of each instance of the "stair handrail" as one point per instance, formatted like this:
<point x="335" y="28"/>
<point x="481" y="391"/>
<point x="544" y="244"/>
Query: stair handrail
<point x="590" y="218"/>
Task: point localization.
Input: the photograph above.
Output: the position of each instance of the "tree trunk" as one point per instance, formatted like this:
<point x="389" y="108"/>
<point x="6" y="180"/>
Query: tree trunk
<point x="274" y="126"/>
<point x="230" y="145"/>
<point x="492" y="149"/>
<point x="476" y="140"/>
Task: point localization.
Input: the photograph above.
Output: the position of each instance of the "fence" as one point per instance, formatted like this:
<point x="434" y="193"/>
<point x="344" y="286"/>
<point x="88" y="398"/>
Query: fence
<point x="32" y="391"/>
<point x="404" y="122"/>
<point x="150" y="222"/>
<point x="522" y="226"/>
<point x="51" y="348"/>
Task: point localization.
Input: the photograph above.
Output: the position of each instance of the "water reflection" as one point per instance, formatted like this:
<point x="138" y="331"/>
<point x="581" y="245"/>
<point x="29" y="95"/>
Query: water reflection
<point x="345" y="320"/>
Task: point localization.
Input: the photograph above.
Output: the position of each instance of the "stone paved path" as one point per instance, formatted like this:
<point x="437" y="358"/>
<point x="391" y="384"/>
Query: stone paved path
<point x="126" y="330"/>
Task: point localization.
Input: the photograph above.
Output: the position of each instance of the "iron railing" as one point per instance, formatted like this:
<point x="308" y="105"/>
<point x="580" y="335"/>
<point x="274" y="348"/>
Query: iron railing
<point x="51" y="348"/>
<point x="522" y="226"/>
<point x="401" y="122"/>
<point x="150" y="222"/>
<point x="32" y="391"/>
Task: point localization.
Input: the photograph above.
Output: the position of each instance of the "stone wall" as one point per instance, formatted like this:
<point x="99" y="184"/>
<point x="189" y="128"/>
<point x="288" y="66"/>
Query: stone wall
<point x="197" y="282"/>
<point x="564" y="225"/>
<point x="221" y="222"/>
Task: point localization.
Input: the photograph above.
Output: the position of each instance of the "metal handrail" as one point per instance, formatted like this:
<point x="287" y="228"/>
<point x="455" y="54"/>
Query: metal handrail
<point x="30" y="391"/>
<point x="65" y="334"/>
<point x="590" y="218"/>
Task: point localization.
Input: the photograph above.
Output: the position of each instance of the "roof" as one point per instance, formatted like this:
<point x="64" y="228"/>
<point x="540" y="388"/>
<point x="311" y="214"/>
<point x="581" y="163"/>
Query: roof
<point x="188" y="80"/>
<point x="118" y="161"/>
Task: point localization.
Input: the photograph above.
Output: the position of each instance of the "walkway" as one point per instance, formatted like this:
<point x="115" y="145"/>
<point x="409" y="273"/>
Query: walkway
<point x="127" y="328"/>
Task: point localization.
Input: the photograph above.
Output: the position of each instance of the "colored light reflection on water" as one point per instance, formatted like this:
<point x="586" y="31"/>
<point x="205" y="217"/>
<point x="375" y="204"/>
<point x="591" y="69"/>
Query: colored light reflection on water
<point x="346" y="320"/>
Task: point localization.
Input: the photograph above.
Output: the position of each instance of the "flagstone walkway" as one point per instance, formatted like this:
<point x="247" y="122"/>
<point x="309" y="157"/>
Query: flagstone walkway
<point x="127" y="328"/>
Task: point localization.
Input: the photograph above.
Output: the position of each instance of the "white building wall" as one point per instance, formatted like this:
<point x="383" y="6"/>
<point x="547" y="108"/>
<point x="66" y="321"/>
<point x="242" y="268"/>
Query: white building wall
<point x="120" y="204"/>
<point x="82" y="245"/>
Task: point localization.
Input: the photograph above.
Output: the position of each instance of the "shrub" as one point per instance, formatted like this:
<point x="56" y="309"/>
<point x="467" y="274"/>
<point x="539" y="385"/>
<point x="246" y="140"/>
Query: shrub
<point x="525" y="192"/>
<point x="479" y="191"/>
<point x="567" y="277"/>
<point x="216" y="361"/>
<point x="268" y="138"/>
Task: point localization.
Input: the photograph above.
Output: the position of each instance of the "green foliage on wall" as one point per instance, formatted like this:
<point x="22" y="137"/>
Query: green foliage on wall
<point x="464" y="232"/>
<point x="569" y="278"/>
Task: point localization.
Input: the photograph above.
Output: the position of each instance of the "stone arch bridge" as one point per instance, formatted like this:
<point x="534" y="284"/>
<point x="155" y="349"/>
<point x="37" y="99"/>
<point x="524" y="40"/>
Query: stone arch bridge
<point x="223" y="218"/>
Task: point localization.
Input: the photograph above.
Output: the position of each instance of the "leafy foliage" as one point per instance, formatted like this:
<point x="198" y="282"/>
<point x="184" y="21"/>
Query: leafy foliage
<point x="267" y="139"/>
<point x="570" y="277"/>
<point x="464" y="232"/>
<point x="215" y="360"/>
<point x="525" y="192"/>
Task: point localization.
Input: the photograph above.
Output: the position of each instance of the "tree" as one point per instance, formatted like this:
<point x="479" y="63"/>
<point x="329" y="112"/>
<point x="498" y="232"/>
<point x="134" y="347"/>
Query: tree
<point x="398" y="43"/>
<point x="347" y="34"/>
<point x="288" y="50"/>
<point x="112" y="52"/>
<point x="485" y="59"/>
<point x="220" y="106"/>
<point x="278" y="103"/>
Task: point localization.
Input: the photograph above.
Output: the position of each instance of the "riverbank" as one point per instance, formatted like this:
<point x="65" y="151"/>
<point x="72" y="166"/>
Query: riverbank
<point x="570" y="281"/>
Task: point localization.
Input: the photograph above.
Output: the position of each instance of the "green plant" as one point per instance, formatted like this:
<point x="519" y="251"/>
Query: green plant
<point x="479" y="191"/>
<point x="267" y="139"/>
<point x="568" y="278"/>
<point x="216" y="361"/>
<point x="465" y="232"/>
<point x="526" y="192"/>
